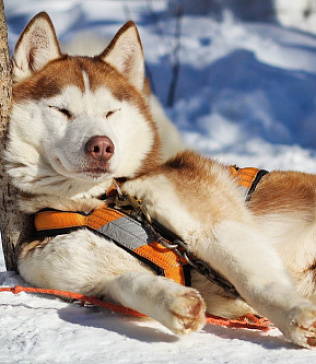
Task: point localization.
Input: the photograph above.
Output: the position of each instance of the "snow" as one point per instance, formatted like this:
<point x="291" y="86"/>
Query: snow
<point x="245" y="95"/>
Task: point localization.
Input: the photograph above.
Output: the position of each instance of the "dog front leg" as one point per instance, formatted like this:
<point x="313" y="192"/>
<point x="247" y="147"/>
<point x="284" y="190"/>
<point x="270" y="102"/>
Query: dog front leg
<point x="240" y="253"/>
<point x="179" y="308"/>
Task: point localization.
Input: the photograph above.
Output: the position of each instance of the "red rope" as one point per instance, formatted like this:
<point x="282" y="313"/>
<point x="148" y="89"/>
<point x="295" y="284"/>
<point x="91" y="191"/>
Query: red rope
<point x="247" y="321"/>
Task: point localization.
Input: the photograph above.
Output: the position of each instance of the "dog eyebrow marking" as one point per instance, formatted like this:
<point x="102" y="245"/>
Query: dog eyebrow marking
<point x="86" y="81"/>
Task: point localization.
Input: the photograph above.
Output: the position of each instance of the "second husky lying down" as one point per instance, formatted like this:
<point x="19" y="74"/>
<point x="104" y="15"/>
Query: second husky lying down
<point x="77" y="123"/>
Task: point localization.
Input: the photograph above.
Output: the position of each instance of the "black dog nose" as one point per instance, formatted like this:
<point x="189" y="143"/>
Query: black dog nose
<point x="100" y="147"/>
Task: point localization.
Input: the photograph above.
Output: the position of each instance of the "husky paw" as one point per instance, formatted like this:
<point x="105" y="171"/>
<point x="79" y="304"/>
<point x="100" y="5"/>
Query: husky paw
<point x="187" y="312"/>
<point x="303" y="326"/>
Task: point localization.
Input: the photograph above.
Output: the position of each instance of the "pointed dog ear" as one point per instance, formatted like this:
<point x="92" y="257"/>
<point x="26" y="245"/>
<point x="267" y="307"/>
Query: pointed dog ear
<point x="36" y="46"/>
<point x="125" y="53"/>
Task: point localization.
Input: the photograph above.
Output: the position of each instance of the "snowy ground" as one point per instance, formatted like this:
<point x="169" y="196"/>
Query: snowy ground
<point x="246" y="95"/>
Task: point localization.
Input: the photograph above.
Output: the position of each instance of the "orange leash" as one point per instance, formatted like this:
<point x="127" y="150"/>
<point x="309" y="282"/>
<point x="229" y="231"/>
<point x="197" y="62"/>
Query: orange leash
<point x="245" y="322"/>
<point x="75" y="296"/>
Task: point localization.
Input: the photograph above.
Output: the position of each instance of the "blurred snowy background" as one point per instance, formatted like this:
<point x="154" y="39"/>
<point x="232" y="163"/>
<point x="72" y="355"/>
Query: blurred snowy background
<point x="238" y="78"/>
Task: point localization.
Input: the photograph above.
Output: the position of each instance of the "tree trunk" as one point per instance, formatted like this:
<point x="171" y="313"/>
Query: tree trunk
<point x="11" y="220"/>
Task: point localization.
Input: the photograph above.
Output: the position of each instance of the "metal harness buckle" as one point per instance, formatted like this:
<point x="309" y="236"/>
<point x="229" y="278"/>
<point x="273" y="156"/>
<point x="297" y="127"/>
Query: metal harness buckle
<point x="123" y="200"/>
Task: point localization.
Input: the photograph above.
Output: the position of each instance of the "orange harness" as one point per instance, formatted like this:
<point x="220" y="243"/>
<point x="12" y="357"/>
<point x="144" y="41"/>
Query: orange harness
<point x="129" y="233"/>
<point x="125" y="231"/>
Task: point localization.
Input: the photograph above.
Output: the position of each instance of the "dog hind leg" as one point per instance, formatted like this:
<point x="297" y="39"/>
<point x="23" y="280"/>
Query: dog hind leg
<point x="240" y="253"/>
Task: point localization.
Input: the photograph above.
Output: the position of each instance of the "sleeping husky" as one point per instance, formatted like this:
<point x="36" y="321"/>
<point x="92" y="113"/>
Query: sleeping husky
<point x="78" y="124"/>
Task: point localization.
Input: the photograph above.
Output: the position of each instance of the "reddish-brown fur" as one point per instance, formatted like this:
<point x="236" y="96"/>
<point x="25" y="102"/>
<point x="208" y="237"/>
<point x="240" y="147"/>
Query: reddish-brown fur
<point x="285" y="191"/>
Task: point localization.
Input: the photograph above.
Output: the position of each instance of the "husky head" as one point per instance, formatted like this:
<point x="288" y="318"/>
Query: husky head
<point x="78" y="122"/>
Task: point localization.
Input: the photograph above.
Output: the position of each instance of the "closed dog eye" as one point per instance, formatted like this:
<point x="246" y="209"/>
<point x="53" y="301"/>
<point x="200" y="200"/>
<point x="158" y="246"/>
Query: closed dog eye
<point x="111" y="112"/>
<point x="63" y="111"/>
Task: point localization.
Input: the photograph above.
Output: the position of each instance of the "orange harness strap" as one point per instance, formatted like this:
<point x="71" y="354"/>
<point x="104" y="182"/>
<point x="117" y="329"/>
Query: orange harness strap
<point x="123" y="230"/>
<point x="248" y="178"/>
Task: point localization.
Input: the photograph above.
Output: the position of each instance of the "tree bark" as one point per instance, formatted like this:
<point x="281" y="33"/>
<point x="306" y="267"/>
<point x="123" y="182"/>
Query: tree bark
<point x="11" y="219"/>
